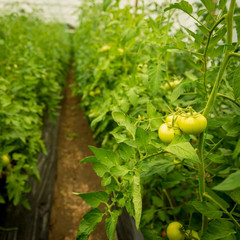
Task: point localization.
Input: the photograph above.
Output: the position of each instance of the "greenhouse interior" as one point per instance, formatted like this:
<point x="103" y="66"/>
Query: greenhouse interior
<point x="120" y="120"/>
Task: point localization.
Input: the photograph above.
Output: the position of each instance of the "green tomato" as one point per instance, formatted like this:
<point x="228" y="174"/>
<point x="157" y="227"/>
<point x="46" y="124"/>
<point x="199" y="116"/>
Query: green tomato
<point x="169" y="120"/>
<point x="195" y="124"/>
<point x="175" y="231"/>
<point x="5" y="160"/>
<point x="192" y="234"/>
<point x="165" y="133"/>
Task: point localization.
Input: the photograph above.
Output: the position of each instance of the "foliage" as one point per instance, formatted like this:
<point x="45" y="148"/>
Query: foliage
<point x="133" y="70"/>
<point x="33" y="59"/>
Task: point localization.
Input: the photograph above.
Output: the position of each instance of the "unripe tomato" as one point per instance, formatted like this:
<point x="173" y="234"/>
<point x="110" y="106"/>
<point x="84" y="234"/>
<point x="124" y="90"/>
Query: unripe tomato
<point x="175" y="231"/>
<point x="172" y="84"/>
<point x="121" y="51"/>
<point x="5" y="160"/>
<point x="165" y="133"/>
<point x="139" y="67"/>
<point x="193" y="124"/>
<point x="192" y="233"/>
<point x="104" y="48"/>
<point x="169" y="120"/>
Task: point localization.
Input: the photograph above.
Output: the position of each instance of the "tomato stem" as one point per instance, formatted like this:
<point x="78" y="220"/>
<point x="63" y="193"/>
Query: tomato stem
<point x="212" y="98"/>
<point x="224" y="209"/>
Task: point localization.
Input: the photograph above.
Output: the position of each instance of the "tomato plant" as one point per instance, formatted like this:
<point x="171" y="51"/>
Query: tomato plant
<point x="32" y="74"/>
<point x="192" y="178"/>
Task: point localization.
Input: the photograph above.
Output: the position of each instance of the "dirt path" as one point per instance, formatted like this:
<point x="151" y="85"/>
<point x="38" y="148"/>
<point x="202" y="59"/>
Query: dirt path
<point x="74" y="138"/>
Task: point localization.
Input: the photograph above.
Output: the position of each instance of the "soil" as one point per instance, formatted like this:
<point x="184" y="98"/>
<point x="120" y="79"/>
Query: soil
<point x="74" y="138"/>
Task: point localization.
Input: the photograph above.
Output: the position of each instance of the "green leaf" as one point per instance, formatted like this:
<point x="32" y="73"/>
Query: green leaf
<point x="99" y="168"/>
<point x="133" y="96"/>
<point x="119" y="171"/>
<point x="235" y="195"/>
<point x="154" y="117"/>
<point x="236" y="150"/>
<point x="94" y="199"/>
<point x="128" y="34"/>
<point x="218" y="229"/>
<point x="161" y="167"/>
<point x="236" y="81"/>
<point x="183" y="150"/>
<point x="137" y="198"/>
<point x="124" y="121"/>
<point x="209" y="5"/>
<point x="222" y="4"/>
<point x="142" y="137"/>
<point x="230" y="183"/>
<point x="89" y="223"/>
<point x="155" y="77"/>
<point x="183" y="5"/>
<point x="111" y="223"/>
<point x="207" y="209"/>
<point x="181" y="88"/>
<point x="125" y="151"/>
<point x="105" y="157"/>
<point x="106" y="4"/>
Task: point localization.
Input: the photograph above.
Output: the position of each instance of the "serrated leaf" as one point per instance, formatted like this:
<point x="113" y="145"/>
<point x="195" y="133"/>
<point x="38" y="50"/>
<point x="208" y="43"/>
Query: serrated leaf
<point x="236" y="81"/>
<point x="230" y="183"/>
<point x="89" y="223"/>
<point x="133" y="96"/>
<point x="94" y="199"/>
<point x="111" y="223"/>
<point x="183" y="5"/>
<point x="124" y="121"/>
<point x="137" y="198"/>
<point x="142" y="137"/>
<point x="105" y="157"/>
<point x="207" y="209"/>
<point x="218" y="229"/>
<point x="119" y="171"/>
<point x="183" y="151"/>
<point x="155" y="77"/>
<point x="178" y="91"/>
<point x="99" y="168"/>
<point x="160" y="167"/>
<point x="125" y="151"/>
<point x="154" y="117"/>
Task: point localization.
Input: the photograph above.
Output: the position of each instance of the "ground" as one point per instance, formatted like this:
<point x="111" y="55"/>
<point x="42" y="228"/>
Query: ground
<point x="74" y="138"/>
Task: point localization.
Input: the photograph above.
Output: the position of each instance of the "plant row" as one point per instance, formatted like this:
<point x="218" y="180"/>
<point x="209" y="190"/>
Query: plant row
<point x="163" y="101"/>
<point x="33" y="60"/>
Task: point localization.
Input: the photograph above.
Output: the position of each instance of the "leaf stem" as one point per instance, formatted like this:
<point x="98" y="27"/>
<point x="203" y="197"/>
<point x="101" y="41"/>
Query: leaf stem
<point x="207" y="45"/>
<point x="224" y="209"/>
<point x="229" y="98"/>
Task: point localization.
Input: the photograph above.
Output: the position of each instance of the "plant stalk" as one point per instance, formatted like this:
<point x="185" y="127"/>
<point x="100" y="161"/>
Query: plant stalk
<point x="211" y="101"/>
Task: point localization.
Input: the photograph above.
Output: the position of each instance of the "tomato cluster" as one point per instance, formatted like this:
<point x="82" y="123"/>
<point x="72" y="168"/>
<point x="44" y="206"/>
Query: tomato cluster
<point x="190" y="123"/>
